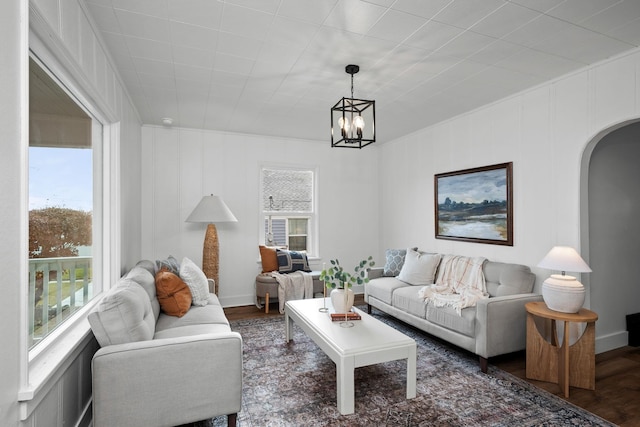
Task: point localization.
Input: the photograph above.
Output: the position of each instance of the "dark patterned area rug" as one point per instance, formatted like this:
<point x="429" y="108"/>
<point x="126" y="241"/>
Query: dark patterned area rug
<point x="295" y="385"/>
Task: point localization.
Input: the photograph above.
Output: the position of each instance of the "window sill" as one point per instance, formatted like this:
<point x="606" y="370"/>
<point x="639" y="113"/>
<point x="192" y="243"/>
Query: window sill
<point x="49" y="360"/>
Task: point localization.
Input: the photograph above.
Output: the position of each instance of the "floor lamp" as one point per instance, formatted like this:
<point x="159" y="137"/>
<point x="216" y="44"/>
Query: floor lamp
<point x="211" y="210"/>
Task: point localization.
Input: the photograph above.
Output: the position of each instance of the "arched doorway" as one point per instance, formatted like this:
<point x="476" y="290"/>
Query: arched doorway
<point x="610" y="227"/>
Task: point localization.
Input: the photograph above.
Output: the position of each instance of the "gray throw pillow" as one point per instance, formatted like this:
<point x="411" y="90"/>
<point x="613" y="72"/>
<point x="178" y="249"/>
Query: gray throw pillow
<point x="170" y="264"/>
<point x="394" y="262"/>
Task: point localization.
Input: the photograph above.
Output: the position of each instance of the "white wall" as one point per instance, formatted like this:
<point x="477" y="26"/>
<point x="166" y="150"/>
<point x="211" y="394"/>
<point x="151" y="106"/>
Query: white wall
<point x="182" y="165"/>
<point x="13" y="86"/>
<point x="614" y="231"/>
<point x="65" y="30"/>
<point x="544" y="132"/>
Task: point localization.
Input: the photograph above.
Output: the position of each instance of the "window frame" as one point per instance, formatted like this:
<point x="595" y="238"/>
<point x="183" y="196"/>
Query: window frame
<point x="311" y="216"/>
<point x="287" y="233"/>
<point x="41" y="364"/>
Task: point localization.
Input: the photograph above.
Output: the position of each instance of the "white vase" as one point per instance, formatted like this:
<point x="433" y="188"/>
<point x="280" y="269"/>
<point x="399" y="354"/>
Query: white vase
<point x="340" y="303"/>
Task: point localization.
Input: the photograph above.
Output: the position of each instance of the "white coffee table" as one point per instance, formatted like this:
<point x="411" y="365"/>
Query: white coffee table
<point x="368" y="342"/>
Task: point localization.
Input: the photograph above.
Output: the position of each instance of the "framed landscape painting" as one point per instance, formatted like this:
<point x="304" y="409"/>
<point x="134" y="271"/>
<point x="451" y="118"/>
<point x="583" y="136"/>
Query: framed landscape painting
<point x="475" y="205"/>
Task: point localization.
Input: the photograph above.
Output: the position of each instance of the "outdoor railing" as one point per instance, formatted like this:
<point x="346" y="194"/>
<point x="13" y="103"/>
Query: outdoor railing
<point x="57" y="288"/>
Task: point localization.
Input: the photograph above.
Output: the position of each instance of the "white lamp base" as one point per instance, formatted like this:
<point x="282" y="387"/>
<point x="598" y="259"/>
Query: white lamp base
<point x="563" y="293"/>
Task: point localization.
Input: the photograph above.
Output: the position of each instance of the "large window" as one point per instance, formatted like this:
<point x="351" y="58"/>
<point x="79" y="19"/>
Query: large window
<point x="64" y="181"/>
<point x="288" y="208"/>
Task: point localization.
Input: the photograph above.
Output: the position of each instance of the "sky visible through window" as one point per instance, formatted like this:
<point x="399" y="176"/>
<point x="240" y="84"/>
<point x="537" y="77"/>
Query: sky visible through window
<point x="60" y="177"/>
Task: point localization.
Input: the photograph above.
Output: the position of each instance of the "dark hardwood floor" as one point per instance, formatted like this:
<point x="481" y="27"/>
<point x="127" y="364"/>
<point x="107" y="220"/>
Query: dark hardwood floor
<point x="616" y="397"/>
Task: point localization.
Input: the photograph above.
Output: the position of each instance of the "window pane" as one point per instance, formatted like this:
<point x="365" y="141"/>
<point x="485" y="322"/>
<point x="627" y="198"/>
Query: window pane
<point x="287" y="190"/>
<point x="297" y="226"/>
<point x="60" y="205"/>
<point x="279" y="230"/>
<point x="298" y="243"/>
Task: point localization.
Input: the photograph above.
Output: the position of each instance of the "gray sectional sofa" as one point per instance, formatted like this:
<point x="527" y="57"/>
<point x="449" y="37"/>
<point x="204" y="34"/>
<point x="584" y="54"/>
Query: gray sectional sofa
<point x="494" y="326"/>
<point x="154" y="369"/>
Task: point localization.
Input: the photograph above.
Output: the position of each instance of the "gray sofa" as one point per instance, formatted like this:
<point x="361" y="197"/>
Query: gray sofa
<point x="494" y="326"/>
<point x="158" y="370"/>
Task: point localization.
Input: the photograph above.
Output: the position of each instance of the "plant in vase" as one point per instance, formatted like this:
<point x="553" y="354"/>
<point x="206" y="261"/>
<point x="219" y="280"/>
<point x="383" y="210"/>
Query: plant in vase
<point x="341" y="281"/>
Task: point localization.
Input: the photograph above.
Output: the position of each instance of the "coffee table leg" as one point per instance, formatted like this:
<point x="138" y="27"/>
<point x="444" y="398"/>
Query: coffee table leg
<point x="288" y="326"/>
<point x="411" y="372"/>
<point x="344" y="383"/>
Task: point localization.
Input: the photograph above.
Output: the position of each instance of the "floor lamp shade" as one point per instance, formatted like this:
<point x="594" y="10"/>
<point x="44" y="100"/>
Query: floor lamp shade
<point x="561" y="292"/>
<point x="211" y="210"/>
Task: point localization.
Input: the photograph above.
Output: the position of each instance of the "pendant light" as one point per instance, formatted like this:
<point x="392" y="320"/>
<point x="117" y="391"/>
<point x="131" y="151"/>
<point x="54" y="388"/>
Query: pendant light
<point x="353" y="120"/>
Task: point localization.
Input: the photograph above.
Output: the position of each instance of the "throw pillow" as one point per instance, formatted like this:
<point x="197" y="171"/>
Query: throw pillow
<point x="170" y="264"/>
<point x="196" y="281"/>
<point x="173" y="294"/>
<point x="419" y="268"/>
<point x="290" y="261"/>
<point x="394" y="262"/>
<point x="269" y="259"/>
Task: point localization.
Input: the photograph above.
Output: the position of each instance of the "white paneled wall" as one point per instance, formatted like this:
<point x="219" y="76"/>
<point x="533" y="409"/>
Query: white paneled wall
<point x="544" y="132"/>
<point x="62" y="36"/>
<point x="13" y="104"/>
<point x="185" y="164"/>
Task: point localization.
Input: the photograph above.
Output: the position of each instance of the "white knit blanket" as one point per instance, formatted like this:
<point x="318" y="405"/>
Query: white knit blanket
<point x="292" y="286"/>
<point x="460" y="283"/>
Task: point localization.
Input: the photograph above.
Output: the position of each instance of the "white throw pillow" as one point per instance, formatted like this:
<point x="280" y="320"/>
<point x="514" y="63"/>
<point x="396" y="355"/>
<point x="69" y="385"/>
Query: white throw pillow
<point x="419" y="268"/>
<point x="196" y="281"/>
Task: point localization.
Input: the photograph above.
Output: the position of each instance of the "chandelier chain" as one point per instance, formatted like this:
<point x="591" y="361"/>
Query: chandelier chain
<point x="351" y="86"/>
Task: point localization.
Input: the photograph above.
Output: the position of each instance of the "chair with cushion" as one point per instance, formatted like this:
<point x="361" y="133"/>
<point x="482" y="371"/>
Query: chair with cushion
<point x="267" y="285"/>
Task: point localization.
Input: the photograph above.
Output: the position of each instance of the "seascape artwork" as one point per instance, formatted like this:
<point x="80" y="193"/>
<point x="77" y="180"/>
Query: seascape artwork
<point x="475" y="205"/>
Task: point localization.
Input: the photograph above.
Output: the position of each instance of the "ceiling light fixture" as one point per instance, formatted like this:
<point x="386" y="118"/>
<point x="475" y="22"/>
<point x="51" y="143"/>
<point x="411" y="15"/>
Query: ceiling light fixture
<point x="353" y="120"/>
<point x="167" y="121"/>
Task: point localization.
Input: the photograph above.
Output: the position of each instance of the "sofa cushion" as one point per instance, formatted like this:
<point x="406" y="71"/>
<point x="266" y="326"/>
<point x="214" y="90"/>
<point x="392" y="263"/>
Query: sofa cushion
<point x="124" y="315"/>
<point x="447" y="317"/>
<point x="268" y="258"/>
<point x="419" y="268"/>
<point x="290" y="261"/>
<point x="507" y="279"/>
<point x="209" y="314"/>
<point x="382" y="288"/>
<point x="394" y="261"/>
<point x="190" y="330"/>
<point x="197" y="282"/>
<point x="173" y="294"/>
<point x="407" y="300"/>
<point x="144" y="278"/>
<point x="148" y="265"/>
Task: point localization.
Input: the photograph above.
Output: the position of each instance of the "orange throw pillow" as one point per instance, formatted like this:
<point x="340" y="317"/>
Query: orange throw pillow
<point x="173" y="294"/>
<point x="269" y="259"/>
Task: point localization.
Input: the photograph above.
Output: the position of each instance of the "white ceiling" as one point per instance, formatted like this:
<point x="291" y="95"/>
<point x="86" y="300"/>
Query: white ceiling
<point x="276" y="67"/>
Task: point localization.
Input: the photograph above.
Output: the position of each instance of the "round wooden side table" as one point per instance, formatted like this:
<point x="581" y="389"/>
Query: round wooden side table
<point x="560" y="363"/>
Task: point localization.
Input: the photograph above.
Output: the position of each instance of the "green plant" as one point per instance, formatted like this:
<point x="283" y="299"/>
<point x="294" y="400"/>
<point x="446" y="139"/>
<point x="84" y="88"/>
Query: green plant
<point x="336" y="277"/>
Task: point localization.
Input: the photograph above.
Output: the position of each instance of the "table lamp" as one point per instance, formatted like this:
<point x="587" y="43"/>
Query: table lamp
<point x="211" y="210"/>
<point x="561" y="292"/>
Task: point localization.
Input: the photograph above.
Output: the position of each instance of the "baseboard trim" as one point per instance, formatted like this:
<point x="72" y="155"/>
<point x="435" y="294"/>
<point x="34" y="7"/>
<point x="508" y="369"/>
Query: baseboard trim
<point x="611" y="341"/>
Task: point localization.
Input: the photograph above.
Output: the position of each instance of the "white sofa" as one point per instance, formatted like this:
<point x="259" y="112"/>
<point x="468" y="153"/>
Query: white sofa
<point x="158" y="370"/>
<point x="494" y="326"/>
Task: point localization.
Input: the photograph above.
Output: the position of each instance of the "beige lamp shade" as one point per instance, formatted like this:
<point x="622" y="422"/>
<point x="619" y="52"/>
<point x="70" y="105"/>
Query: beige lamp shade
<point x="564" y="258"/>
<point x="562" y="292"/>
<point x="211" y="210"/>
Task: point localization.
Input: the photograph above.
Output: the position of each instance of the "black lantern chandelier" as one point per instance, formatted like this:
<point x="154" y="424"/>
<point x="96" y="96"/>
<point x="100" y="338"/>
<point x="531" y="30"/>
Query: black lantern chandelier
<point x="353" y="120"/>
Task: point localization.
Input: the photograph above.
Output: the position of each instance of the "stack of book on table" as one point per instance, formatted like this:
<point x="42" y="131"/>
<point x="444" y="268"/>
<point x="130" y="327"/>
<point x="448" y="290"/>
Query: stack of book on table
<point x="337" y="317"/>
